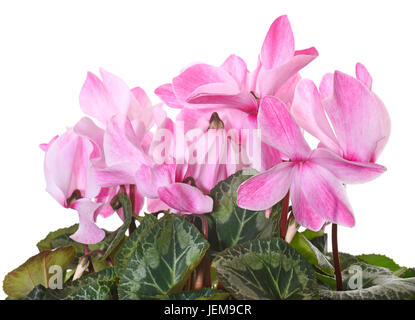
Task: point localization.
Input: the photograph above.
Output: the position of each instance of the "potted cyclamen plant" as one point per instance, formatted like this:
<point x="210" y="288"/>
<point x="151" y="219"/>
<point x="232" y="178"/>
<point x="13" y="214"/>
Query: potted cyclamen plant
<point x="226" y="187"/>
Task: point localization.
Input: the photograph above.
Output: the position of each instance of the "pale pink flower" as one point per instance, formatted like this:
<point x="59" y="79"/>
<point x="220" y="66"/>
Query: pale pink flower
<point x="314" y="178"/>
<point x="360" y="121"/>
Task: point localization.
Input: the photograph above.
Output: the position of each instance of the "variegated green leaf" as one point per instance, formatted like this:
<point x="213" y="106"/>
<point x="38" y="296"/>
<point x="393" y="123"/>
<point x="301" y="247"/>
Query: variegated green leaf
<point x="376" y="283"/>
<point x="266" y="270"/>
<point x="232" y="224"/>
<point x="131" y="244"/>
<point x="163" y="260"/>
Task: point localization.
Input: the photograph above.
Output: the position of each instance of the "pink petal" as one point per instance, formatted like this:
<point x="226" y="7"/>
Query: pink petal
<point x="121" y="143"/>
<point x="309" y="114"/>
<point x="115" y="175"/>
<point x="344" y="170"/>
<point x="66" y="166"/>
<point x="236" y="67"/>
<point x="88" y="232"/>
<point x="269" y="81"/>
<point x="166" y="94"/>
<point x="88" y="129"/>
<point x="199" y="75"/>
<point x="103" y="99"/>
<point x="185" y="198"/>
<point x="358" y="117"/>
<point x="278" y="46"/>
<point x="363" y="75"/>
<point x="302" y="210"/>
<point x="265" y="189"/>
<point x="324" y="194"/>
<point x="156" y="205"/>
<point x="150" y="179"/>
<point x="326" y="86"/>
<point x="45" y="146"/>
<point x="279" y="130"/>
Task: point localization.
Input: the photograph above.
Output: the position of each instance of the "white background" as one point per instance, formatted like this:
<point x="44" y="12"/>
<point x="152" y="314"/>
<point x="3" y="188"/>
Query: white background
<point x="46" y="48"/>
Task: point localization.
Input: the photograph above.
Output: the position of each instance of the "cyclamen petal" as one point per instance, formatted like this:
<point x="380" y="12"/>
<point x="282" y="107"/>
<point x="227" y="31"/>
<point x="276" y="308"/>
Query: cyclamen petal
<point x="265" y="189"/>
<point x="66" y="166"/>
<point x="150" y="179"/>
<point x="185" y="198"/>
<point x="278" y="46"/>
<point x="363" y="75"/>
<point x="324" y="194"/>
<point x="103" y="99"/>
<point x="302" y="211"/>
<point x="344" y="170"/>
<point x="310" y="115"/>
<point x="358" y="117"/>
<point x="279" y="130"/>
<point x="88" y="232"/>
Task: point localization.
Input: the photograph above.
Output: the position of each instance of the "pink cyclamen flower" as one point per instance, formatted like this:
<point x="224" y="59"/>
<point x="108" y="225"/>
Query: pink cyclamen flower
<point x="231" y="85"/>
<point x="314" y="178"/>
<point x="70" y="181"/>
<point x="359" y="118"/>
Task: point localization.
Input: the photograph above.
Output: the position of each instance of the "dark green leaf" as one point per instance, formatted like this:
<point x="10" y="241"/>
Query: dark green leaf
<point x="377" y="283"/>
<point x="37" y="271"/>
<point x="266" y="269"/>
<point x="311" y="253"/>
<point x="131" y="244"/>
<point x="163" y="260"/>
<point x="232" y="224"/>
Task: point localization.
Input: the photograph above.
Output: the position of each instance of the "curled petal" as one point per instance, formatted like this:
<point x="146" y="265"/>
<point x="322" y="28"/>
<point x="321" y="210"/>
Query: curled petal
<point x="279" y="130"/>
<point x="363" y="75"/>
<point x="359" y="119"/>
<point x="185" y="198"/>
<point x="265" y="189"/>
<point x="324" y="194"/>
<point x="103" y="99"/>
<point x="310" y="115"/>
<point x="270" y="81"/>
<point x="344" y="170"/>
<point x="121" y="143"/>
<point x="150" y="179"/>
<point x="66" y="166"/>
<point x="278" y="46"/>
<point x="326" y="86"/>
<point x="88" y="232"/>
<point x="166" y="94"/>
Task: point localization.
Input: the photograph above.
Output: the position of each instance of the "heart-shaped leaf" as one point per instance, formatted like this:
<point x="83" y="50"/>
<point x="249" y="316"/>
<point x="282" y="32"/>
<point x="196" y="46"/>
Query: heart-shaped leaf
<point x="131" y="244"/>
<point x="163" y="259"/>
<point x="266" y="270"/>
<point x="38" y="270"/>
<point x="366" y="282"/>
<point x="232" y="224"/>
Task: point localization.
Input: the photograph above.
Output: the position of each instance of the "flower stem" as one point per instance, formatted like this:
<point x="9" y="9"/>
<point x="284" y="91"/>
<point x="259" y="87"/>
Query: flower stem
<point x="336" y="260"/>
<point x="132" y="226"/>
<point x="284" y="215"/>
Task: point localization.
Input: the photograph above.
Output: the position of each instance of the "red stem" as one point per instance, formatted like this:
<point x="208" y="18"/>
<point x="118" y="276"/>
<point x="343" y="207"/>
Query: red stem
<point x="336" y="260"/>
<point x="284" y="215"/>
<point x="132" y="199"/>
